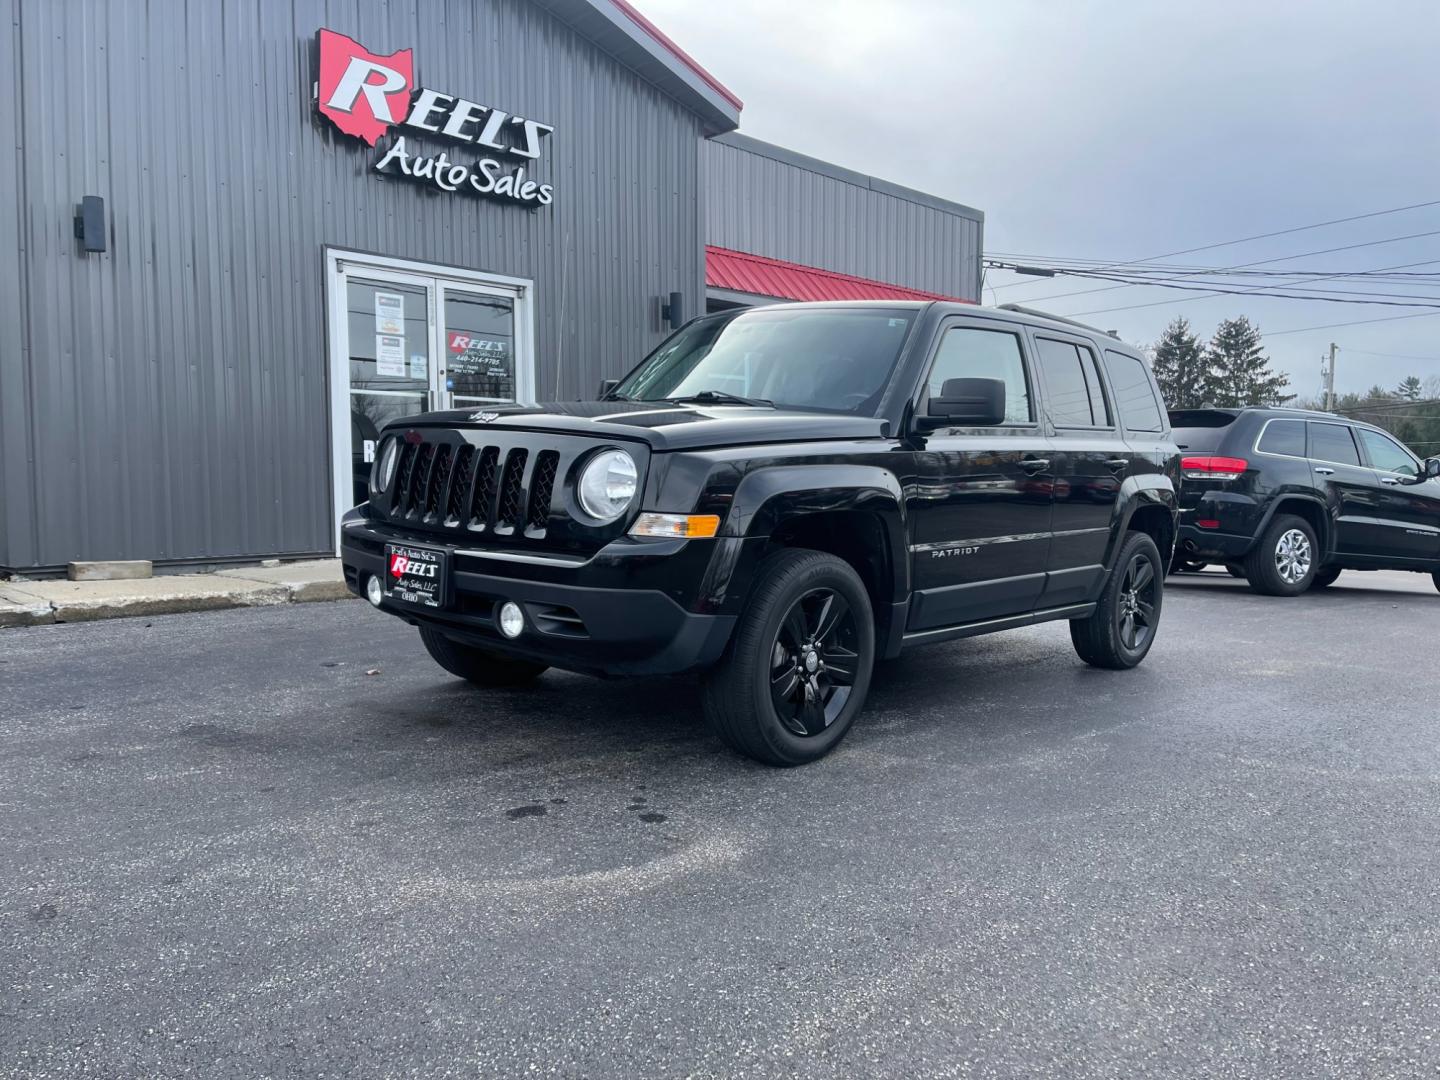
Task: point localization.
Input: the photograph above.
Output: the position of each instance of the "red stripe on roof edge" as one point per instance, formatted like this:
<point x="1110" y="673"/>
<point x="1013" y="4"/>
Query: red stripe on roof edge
<point x="680" y="54"/>
<point x="764" y="276"/>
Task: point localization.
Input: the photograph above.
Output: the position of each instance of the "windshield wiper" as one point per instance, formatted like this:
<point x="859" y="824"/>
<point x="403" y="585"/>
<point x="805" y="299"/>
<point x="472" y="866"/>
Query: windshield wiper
<point x="616" y="395"/>
<point x="721" y="397"/>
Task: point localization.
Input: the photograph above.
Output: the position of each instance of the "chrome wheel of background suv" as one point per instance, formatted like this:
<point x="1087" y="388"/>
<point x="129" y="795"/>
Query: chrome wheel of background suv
<point x="1283" y="562"/>
<point x="1293" y="556"/>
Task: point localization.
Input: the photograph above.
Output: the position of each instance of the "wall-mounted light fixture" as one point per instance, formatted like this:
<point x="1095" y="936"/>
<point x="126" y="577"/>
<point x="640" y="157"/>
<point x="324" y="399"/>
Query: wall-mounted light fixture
<point x="90" y="223"/>
<point x="672" y="311"/>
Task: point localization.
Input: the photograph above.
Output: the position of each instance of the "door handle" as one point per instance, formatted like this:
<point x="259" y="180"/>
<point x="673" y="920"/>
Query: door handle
<point x="1390" y="480"/>
<point x="1035" y="464"/>
<point x="1324" y="471"/>
<point x="1118" y="463"/>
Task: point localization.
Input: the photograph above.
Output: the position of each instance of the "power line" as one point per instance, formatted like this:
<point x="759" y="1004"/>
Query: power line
<point x="1388" y="404"/>
<point x="1396" y="299"/>
<point x="1248" y="239"/>
<point x="1231" y="288"/>
<point x="1241" y="266"/>
<point x="1356" y="322"/>
<point x="1393" y="356"/>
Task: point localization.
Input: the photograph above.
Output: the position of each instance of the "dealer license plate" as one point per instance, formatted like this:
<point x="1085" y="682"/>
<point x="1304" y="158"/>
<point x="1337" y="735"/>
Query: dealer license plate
<point x="416" y="575"/>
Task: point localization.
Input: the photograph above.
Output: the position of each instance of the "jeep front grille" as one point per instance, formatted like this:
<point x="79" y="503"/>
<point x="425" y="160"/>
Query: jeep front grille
<point x="446" y="482"/>
<point x="542" y="489"/>
<point x="482" y="496"/>
<point x="508" y="515"/>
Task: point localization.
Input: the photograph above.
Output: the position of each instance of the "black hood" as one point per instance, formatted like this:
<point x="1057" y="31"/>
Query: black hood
<point x="660" y="424"/>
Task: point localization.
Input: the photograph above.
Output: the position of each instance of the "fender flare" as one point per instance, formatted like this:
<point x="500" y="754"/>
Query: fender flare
<point x="1136" y="493"/>
<point x="771" y="496"/>
<point x="1327" y="528"/>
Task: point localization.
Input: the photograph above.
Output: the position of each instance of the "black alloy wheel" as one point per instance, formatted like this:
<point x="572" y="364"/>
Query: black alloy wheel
<point x="1136" y="610"/>
<point x="1120" y="631"/>
<point x="797" y="669"/>
<point x="813" y="662"/>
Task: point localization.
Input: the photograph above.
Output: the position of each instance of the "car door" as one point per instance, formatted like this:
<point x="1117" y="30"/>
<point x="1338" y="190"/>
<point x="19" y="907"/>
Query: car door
<point x="1351" y="490"/>
<point x="1409" y="511"/>
<point x="980" y="512"/>
<point x="1090" y="461"/>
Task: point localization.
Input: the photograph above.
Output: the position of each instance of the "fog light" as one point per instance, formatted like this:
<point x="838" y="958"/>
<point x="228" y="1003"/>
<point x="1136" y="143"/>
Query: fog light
<point x="373" y="590"/>
<point x="512" y="619"/>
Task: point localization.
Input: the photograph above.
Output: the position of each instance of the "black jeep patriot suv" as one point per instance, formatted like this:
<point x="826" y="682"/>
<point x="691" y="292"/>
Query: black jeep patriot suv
<point x="777" y="499"/>
<point x="1288" y="499"/>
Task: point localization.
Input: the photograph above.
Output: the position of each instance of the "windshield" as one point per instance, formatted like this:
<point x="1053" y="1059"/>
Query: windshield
<point x="830" y="360"/>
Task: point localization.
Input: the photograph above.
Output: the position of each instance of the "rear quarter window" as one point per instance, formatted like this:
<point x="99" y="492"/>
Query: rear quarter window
<point x="1285" y="437"/>
<point x="1135" y="397"/>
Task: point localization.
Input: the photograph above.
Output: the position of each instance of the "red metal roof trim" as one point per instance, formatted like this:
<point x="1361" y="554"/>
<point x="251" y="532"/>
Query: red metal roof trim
<point x="680" y="54"/>
<point x="756" y="274"/>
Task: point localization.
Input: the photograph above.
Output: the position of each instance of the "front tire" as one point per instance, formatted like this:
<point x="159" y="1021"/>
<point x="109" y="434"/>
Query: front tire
<point x="476" y="665"/>
<point x="1284" y="561"/>
<point x="1122" y="629"/>
<point x="1325" y="578"/>
<point x="798" y="667"/>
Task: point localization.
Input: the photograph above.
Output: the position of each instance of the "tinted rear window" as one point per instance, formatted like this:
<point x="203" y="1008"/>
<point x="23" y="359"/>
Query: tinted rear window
<point x="1134" y="396"/>
<point x="1333" y="442"/>
<point x="1284" y="437"/>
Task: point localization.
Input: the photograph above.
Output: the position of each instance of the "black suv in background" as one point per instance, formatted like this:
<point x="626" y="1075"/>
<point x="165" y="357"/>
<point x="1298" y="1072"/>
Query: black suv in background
<point x="1288" y="499"/>
<point x="776" y="500"/>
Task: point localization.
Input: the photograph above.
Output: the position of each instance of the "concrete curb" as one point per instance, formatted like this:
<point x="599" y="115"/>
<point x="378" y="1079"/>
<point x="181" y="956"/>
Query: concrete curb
<point x="31" y="603"/>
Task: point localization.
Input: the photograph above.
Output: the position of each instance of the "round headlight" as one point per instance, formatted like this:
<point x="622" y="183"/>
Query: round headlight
<point x="384" y="470"/>
<point x="607" y="484"/>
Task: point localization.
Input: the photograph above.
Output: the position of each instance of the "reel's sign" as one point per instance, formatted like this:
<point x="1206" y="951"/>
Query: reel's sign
<point x="366" y="95"/>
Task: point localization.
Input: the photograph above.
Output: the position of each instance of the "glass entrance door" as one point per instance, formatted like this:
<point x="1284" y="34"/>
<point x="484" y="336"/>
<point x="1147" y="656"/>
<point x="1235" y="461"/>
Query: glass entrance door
<point x="392" y="373"/>
<point x="479" y="345"/>
<point x="408" y="338"/>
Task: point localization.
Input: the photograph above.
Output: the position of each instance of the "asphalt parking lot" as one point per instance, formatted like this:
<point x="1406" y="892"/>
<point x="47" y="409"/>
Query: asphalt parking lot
<point x="227" y="849"/>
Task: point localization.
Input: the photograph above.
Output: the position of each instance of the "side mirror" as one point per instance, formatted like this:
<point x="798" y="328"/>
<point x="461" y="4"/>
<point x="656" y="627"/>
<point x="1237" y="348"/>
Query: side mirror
<point x="967" y="403"/>
<point x="1432" y="468"/>
<point x="606" y="385"/>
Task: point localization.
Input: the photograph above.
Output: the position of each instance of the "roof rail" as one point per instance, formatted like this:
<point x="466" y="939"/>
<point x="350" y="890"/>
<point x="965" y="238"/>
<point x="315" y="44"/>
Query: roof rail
<point x="1058" y="318"/>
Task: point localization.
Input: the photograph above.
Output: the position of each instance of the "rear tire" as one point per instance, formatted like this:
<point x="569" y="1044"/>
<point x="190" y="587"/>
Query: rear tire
<point x="476" y="665"/>
<point x="1122" y="629"/>
<point x="797" y="669"/>
<point x="1435" y="577"/>
<point x="1284" y="560"/>
<point x="1235" y="570"/>
<point x="1325" y="577"/>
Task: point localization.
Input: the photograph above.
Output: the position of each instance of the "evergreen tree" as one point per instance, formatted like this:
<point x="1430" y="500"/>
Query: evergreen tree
<point x="1410" y="388"/>
<point x="1179" y="363"/>
<point x="1239" y="371"/>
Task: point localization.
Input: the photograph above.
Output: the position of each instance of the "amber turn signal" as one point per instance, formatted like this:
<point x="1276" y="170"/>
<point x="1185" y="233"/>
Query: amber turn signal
<point x="676" y="526"/>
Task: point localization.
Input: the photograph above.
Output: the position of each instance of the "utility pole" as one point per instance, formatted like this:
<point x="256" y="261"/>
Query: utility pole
<point x="1330" y="379"/>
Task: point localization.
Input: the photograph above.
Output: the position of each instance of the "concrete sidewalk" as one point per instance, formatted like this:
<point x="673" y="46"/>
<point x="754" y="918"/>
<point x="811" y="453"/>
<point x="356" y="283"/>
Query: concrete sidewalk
<point x="27" y="603"/>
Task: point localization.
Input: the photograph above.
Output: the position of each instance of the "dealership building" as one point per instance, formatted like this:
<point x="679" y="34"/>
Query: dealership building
<point x="237" y="238"/>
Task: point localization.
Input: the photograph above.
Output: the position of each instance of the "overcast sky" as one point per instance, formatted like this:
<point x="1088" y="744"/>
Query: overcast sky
<point x="1126" y="129"/>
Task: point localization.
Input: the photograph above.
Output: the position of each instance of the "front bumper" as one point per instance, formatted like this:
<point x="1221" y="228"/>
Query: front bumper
<point x="612" y="614"/>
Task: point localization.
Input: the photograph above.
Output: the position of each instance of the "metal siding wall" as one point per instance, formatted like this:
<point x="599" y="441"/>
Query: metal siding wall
<point x="14" y="386"/>
<point x="766" y="207"/>
<point x="179" y="380"/>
